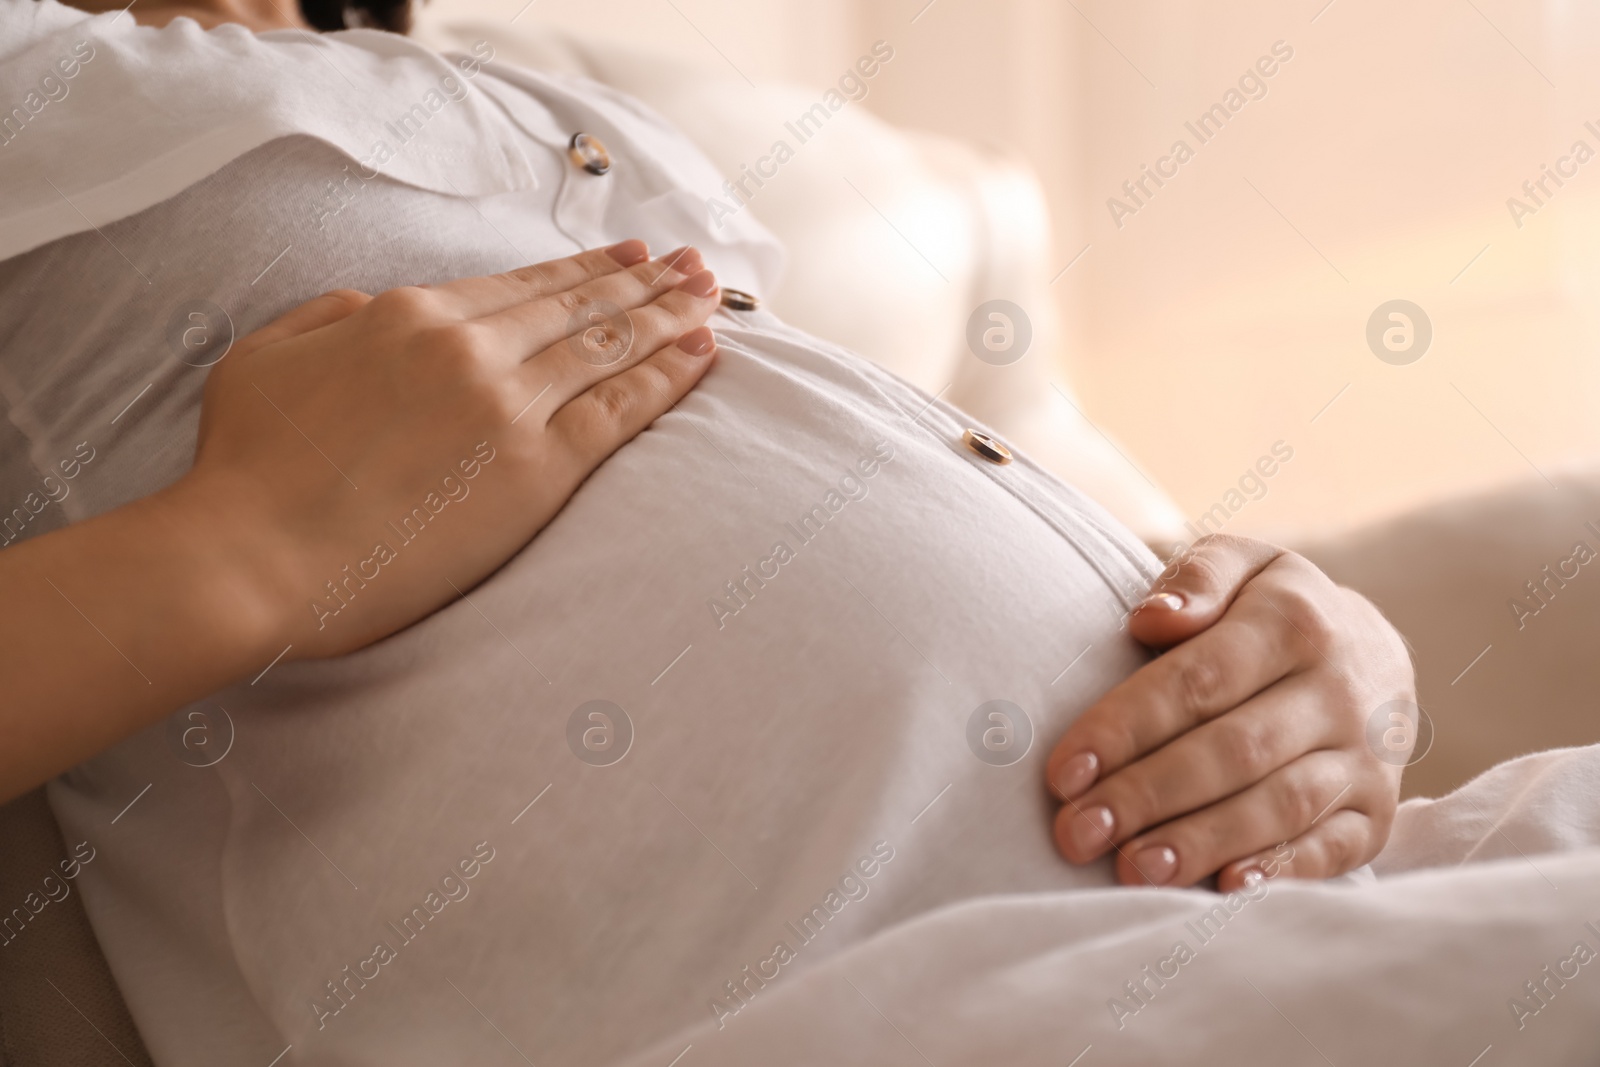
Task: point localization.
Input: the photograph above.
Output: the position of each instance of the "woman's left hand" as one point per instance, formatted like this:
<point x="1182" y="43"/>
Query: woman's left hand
<point x="1250" y="732"/>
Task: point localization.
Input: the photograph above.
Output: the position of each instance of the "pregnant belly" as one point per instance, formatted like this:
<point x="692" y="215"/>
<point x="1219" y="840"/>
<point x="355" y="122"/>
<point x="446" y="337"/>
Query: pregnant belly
<point x="783" y="673"/>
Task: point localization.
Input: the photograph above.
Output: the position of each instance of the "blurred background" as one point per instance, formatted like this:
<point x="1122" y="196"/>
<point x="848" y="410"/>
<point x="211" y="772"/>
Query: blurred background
<point x="1190" y="333"/>
<point x="1231" y="309"/>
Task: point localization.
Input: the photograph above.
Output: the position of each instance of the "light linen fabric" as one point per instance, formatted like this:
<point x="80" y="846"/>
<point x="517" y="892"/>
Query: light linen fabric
<point x="800" y="715"/>
<point x="774" y="747"/>
<point x="814" y="762"/>
<point x="1474" y="947"/>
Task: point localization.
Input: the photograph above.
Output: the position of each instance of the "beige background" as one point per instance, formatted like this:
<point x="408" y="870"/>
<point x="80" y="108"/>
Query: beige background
<point x="1230" y="310"/>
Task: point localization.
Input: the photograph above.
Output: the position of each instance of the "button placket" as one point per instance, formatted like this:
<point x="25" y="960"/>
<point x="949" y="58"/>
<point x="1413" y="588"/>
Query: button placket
<point x="986" y="446"/>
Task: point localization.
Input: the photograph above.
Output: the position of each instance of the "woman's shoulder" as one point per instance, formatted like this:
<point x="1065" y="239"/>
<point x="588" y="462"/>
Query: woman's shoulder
<point x="104" y="118"/>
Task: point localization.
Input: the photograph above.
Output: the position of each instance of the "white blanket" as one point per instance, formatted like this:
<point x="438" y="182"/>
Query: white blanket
<point x="794" y="749"/>
<point x="1478" y="945"/>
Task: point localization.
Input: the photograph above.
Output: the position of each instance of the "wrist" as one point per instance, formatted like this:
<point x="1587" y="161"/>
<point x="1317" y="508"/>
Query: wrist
<point x="241" y="566"/>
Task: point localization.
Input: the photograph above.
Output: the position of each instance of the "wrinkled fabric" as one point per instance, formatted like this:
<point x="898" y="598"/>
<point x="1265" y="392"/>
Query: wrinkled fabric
<point x="765" y="707"/>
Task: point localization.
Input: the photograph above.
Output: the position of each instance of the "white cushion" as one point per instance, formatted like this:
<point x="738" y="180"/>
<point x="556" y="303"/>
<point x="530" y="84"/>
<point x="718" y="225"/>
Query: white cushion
<point x="859" y="278"/>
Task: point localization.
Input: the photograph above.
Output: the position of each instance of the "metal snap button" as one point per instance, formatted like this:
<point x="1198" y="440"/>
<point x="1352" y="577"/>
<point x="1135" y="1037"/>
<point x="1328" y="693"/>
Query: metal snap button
<point x="589" y="153"/>
<point x="987" y="447"/>
<point x="738" y="300"/>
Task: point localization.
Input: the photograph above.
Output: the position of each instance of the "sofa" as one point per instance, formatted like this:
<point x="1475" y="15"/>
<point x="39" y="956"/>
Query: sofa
<point x="895" y="238"/>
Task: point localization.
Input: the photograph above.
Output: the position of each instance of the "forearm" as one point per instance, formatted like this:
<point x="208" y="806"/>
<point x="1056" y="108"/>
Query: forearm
<point x="112" y="623"/>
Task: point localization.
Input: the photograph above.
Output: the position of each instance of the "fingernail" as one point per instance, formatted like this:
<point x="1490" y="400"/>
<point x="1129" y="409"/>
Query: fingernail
<point x="699" y="341"/>
<point x="1091" y="830"/>
<point x="629" y="253"/>
<point x="703" y="283"/>
<point x="1253" y="876"/>
<point x="1077" y="774"/>
<point x="685" y="260"/>
<point x="1162" y="602"/>
<point x="1158" y="865"/>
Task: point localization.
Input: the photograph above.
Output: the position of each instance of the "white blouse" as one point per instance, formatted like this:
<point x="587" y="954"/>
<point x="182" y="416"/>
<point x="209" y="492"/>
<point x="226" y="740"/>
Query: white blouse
<point x="781" y="676"/>
<point x="740" y="760"/>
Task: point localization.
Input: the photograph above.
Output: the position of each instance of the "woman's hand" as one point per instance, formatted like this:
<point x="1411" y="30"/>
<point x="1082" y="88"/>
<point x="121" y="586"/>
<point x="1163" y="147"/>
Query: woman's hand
<point x="1249" y="732"/>
<point x="377" y="456"/>
<point x="361" y="462"/>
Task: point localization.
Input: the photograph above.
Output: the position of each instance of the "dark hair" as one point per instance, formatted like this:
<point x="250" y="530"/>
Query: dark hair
<point x="392" y="15"/>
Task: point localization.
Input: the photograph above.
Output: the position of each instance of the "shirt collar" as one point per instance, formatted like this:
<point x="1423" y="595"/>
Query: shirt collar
<point x="100" y="117"/>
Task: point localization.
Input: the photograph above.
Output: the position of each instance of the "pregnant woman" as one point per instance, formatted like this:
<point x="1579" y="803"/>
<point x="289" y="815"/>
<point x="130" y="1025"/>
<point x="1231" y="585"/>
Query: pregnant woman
<point x="372" y="779"/>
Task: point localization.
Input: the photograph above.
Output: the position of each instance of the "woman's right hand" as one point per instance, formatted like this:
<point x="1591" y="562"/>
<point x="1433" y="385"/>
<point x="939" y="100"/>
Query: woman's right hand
<point x="474" y="408"/>
<point x="368" y="459"/>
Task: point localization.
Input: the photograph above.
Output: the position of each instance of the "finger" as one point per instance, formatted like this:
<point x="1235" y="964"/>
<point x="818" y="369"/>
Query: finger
<point x="1197" y="588"/>
<point x="566" y="369"/>
<point x="1202" y="767"/>
<point x="1342" y="841"/>
<point x="1282" y="806"/>
<point x="474" y="298"/>
<point x="314" y="314"/>
<point x="528" y="326"/>
<point x="617" y="409"/>
<point x="1218" y="670"/>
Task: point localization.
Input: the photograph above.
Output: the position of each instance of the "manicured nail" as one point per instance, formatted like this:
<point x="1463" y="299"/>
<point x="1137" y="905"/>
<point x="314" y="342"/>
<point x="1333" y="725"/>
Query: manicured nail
<point x="703" y="283"/>
<point x="699" y="341"/>
<point x="629" y="253"/>
<point x="1077" y="774"/>
<point x="1158" y="865"/>
<point x="1253" y="876"/>
<point x="1162" y="602"/>
<point x="1091" y="830"/>
<point x="685" y="260"/>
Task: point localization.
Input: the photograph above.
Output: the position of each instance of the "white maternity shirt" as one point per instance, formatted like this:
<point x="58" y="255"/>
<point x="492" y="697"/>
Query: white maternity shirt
<point x="782" y="675"/>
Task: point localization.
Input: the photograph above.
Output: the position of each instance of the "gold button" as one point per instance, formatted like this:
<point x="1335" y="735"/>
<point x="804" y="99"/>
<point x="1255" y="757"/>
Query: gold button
<point x="987" y="447"/>
<point x="739" y="300"/>
<point x="587" y="152"/>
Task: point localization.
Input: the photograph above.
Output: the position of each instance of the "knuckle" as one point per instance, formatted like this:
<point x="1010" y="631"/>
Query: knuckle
<point x="1295" y="563"/>
<point x="613" y="403"/>
<point x="1135" y="798"/>
<point x="504" y="403"/>
<point x="1338" y="853"/>
<point x="656" y="275"/>
<point x="1311" y="615"/>
<point x="570" y="302"/>
<point x="1247" y="748"/>
<point x="1197" y="683"/>
<point x="532" y="277"/>
<point x="649" y="272"/>
<point x="1311" y="797"/>
<point x="1298" y="801"/>
<point x="459" y="350"/>
<point x="656" y="382"/>
<point x="350" y="299"/>
<point x="1200" y="570"/>
<point x="407" y="303"/>
<point x="1108" y="730"/>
